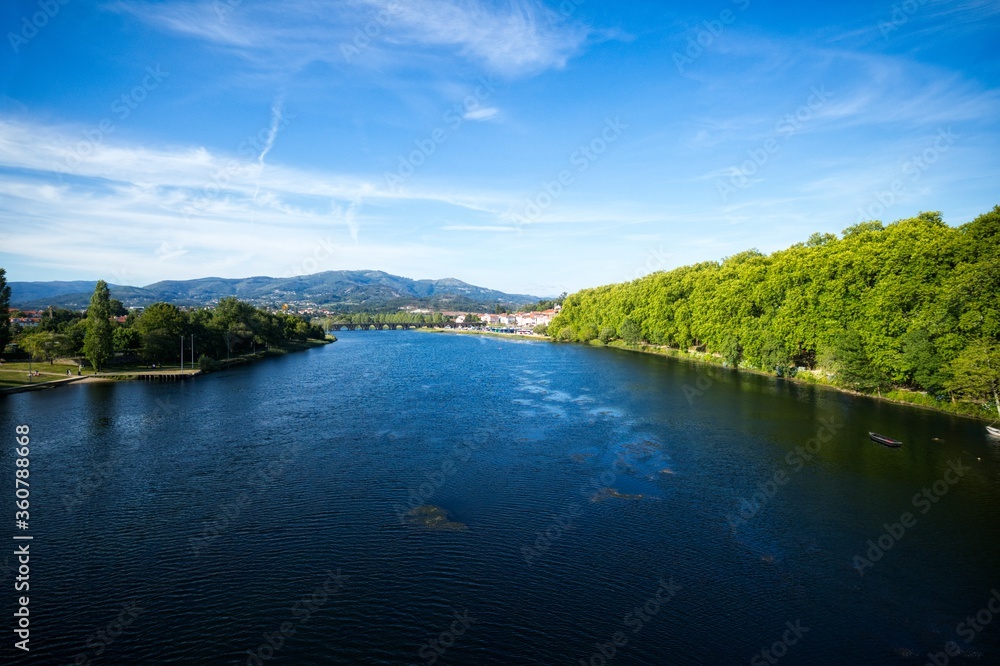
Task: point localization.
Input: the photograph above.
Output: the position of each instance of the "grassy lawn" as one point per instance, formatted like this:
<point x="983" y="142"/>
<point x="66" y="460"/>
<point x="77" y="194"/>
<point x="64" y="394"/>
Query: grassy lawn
<point x="16" y="374"/>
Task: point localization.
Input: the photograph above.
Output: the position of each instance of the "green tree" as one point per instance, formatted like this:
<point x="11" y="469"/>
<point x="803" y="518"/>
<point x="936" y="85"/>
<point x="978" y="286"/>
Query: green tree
<point x="732" y="351"/>
<point x="774" y="355"/>
<point x="117" y="309"/>
<point x="57" y="320"/>
<point x="46" y="345"/>
<point x="975" y="373"/>
<point x="126" y="339"/>
<point x="77" y="332"/>
<point x="161" y="327"/>
<point x="853" y="363"/>
<point x="921" y="361"/>
<point x="589" y="332"/>
<point x="630" y="331"/>
<point x="98" y="342"/>
<point x="547" y="304"/>
<point x="4" y="311"/>
<point x="236" y="324"/>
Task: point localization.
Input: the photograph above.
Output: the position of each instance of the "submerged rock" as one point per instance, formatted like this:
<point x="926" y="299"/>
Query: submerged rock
<point x="609" y="493"/>
<point x="433" y="518"/>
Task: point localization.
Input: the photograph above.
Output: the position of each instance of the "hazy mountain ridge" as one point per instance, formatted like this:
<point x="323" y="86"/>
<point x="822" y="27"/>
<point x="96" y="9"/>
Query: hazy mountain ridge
<point x="342" y="290"/>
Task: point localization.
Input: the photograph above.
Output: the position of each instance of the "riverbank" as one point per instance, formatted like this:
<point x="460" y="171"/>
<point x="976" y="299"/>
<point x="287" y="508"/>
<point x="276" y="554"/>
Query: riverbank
<point x="492" y="334"/>
<point x="895" y="396"/>
<point x="15" y="382"/>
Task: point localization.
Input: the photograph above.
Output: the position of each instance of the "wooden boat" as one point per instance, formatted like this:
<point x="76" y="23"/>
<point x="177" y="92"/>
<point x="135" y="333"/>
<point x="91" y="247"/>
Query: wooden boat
<point x="885" y="441"/>
<point x="993" y="432"/>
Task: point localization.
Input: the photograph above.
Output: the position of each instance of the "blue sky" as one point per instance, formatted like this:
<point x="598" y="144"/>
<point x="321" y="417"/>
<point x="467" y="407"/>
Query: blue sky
<point x="533" y="147"/>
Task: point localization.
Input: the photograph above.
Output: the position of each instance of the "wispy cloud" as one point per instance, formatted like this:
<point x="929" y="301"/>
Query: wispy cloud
<point x="272" y="134"/>
<point x="518" y="38"/>
<point x="912" y="23"/>
<point x="169" y="251"/>
<point x="894" y="93"/>
<point x="487" y="113"/>
<point x="194" y="176"/>
<point x="149" y="212"/>
<point x="524" y="36"/>
<point x="273" y="130"/>
<point x="479" y="228"/>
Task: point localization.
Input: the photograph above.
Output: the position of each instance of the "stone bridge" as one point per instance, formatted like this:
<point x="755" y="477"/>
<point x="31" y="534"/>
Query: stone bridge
<point x="345" y="326"/>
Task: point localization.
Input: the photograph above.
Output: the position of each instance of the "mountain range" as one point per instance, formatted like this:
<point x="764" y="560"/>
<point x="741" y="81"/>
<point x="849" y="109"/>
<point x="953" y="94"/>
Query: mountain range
<point x="343" y="291"/>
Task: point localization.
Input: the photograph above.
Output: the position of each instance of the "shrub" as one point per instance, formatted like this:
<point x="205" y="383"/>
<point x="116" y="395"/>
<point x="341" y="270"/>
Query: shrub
<point x="207" y="364"/>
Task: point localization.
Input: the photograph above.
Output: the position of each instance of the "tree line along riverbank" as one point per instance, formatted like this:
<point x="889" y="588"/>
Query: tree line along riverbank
<point x="115" y="342"/>
<point x="907" y="311"/>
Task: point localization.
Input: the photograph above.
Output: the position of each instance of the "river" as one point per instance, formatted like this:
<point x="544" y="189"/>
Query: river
<point x="258" y="515"/>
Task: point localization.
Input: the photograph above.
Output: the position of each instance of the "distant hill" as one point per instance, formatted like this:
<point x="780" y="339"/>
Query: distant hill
<point x="346" y="291"/>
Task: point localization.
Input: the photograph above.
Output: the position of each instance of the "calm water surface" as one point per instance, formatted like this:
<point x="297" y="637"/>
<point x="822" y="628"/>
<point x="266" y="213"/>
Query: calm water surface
<point x="216" y="506"/>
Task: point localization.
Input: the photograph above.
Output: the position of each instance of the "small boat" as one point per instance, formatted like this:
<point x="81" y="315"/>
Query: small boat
<point x="993" y="432"/>
<point x="885" y="441"/>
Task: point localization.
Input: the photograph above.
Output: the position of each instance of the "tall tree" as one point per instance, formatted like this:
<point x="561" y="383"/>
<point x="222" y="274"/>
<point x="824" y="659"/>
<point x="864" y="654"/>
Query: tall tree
<point x="4" y="310"/>
<point x="98" y="342"/>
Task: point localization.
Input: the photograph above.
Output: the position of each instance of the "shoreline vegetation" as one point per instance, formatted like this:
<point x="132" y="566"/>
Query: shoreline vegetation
<point x="895" y="396"/>
<point x="158" y="343"/>
<point x="13" y="377"/>
<point x="905" y="312"/>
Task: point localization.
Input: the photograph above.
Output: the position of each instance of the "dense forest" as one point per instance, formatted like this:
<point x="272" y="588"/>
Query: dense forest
<point x="911" y="305"/>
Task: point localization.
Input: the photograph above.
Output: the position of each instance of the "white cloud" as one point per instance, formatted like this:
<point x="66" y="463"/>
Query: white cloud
<point x="208" y="213"/>
<point x="169" y="251"/>
<point x="519" y="38"/>
<point x="480" y="228"/>
<point x="524" y="36"/>
<point x="485" y="113"/>
<point x="136" y="214"/>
